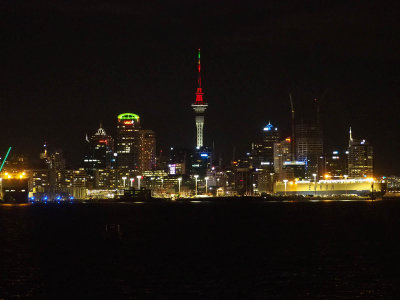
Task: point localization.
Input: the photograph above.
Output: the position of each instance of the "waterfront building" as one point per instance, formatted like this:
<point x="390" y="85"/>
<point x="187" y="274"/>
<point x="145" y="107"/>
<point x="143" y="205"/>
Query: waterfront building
<point x="345" y="186"/>
<point x="99" y="151"/>
<point x="105" y="179"/>
<point x="39" y="181"/>
<point x="360" y="159"/>
<point x="72" y="182"/>
<point x="199" y="106"/>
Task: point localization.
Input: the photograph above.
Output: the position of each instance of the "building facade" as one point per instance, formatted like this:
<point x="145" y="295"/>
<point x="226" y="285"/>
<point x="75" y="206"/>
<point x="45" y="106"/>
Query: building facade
<point x="127" y="147"/>
<point x="309" y="147"/>
<point x="360" y="159"/>
<point x="99" y="152"/>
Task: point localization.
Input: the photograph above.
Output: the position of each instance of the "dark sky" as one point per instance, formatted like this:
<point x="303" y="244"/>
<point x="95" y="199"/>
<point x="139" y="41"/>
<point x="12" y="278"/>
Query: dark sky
<point x="66" y="66"/>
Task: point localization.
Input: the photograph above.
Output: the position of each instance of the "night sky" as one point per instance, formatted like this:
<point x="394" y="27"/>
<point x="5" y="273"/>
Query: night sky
<point x="66" y="66"/>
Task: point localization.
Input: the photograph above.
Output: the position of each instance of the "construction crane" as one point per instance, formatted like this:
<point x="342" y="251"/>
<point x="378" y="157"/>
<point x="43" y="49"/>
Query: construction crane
<point x="5" y="158"/>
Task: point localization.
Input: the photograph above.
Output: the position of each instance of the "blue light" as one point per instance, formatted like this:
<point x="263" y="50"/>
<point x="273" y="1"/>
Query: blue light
<point x="58" y="197"/>
<point x="269" y="127"/>
<point x="204" y="155"/>
<point x="45" y="198"/>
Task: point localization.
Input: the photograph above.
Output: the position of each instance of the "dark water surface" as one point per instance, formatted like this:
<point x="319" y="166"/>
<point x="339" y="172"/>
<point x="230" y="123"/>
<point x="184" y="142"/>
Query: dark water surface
<point x="202" y="251"/>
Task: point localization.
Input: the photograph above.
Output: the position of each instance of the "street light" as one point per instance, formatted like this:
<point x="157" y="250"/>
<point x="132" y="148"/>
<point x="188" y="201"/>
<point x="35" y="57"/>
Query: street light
<point x="285" y="182"/>
<point x="179" y="184"/>
<point x="206" y="178"/>
<point x="195" y="177"/>
<point x="162" y="183"/>
<point x="132" y="180"/>
<point x="315" y="183"/>
<point x="124" y="178"/>
<point x="138" y="177"/>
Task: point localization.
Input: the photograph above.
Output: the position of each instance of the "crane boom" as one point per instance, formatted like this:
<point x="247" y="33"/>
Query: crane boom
<point x="5" y="158"/>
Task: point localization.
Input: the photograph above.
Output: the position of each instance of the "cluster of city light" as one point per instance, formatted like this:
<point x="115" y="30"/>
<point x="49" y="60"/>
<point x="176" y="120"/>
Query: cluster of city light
<point x="20" y="175"/>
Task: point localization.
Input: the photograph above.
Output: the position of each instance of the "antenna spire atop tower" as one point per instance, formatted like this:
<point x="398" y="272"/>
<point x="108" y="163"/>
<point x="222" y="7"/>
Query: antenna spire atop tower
<point x="199" y="66"/>
<point x="199" y="92"/>
<point x="350" y="137"/>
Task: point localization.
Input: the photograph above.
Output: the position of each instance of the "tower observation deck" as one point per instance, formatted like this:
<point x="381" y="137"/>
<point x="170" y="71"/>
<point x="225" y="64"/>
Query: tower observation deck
<point x="199" y="107"/>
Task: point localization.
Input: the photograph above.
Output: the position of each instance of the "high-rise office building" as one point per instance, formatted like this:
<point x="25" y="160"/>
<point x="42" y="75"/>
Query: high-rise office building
<point x="127" y="146"/>
<point x="147" y="154"/>
<point x="309" y="146"/>
<point x="360" y="159"/>
<point x="199" y="107"/>
<point x="262" y="154"/>
<point x="282" y="154"/>
<point x="99" y="152"/>
<point x="135" y="147"/>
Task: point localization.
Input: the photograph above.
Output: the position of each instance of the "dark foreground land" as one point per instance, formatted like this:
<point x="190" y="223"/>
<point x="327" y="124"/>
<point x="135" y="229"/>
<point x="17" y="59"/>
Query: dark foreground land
<point x="201" y="250"/>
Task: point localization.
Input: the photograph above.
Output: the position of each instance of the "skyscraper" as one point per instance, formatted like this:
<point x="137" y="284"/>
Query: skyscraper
<point x="309" y="146"/>
<point x="262" y="154"/>
<point x="360" y="160"/>
<point x="199" y="107"/>
<point x="127" y="146"/>
<point x="282" y="154"/>
<point x="99" y="152"/>
<point x="147" y="156"/>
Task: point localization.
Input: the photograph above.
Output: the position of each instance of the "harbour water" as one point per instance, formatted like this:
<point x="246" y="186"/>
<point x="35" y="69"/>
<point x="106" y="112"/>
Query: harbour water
<point x="201" y="250"/>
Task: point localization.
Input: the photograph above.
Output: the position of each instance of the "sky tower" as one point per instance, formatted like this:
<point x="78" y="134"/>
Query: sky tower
<point x="199" y="107"/>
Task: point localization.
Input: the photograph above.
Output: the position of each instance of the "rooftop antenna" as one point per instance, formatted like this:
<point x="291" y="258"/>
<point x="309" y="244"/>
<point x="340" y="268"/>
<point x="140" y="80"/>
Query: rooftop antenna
<point x="350" y="137"/>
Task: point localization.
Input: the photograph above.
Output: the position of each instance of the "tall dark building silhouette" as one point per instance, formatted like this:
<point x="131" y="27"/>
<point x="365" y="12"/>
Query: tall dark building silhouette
<point x="99" y="151"/>
<point x="309" y="146"/>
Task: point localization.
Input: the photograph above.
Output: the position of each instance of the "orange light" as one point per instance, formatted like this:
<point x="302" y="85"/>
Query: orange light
<point x="288" y="140"/>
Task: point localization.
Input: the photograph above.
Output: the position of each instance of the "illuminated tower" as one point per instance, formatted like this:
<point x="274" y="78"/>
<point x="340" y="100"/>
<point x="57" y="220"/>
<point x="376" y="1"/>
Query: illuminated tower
<point x="199" y="107"/>
<point x="128" y="142"/>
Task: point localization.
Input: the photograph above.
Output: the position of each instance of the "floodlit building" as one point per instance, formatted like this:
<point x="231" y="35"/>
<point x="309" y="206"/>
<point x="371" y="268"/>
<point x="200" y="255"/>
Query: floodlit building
<point x="359" y="187"/>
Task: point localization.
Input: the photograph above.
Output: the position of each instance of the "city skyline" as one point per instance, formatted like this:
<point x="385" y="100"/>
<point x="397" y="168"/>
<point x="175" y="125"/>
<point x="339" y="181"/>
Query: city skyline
<point x="66" y="87"/>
